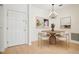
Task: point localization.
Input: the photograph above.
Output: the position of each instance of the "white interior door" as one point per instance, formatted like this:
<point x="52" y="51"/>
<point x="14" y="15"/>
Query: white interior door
<point x="16" y="31"/>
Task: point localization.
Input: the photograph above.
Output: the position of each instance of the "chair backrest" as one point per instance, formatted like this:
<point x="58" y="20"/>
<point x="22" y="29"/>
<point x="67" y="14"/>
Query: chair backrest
<point x="43" y="34"/>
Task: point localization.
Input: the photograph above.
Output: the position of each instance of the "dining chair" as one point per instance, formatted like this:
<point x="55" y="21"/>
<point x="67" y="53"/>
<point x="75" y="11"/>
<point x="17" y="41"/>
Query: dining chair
<point x="64" y="37"/>
<point x="43" y="38"/>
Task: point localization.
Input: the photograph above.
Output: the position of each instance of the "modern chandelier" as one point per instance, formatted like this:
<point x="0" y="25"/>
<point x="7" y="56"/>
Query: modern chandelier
<point x="53" y="14"/>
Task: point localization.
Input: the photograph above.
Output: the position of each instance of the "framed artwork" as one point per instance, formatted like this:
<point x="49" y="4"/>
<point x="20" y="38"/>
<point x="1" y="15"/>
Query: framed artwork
<point x="41" y="22"/>
<point x="65" y="22"/>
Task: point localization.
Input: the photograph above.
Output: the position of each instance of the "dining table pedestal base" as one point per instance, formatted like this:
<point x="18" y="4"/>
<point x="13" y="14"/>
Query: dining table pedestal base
<point x="52" y="39"/>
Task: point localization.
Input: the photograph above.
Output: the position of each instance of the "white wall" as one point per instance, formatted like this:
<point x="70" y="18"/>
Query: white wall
<point x="35" y="11"/>
<point x="1" y="29"/>
<point x="69" y="10"/>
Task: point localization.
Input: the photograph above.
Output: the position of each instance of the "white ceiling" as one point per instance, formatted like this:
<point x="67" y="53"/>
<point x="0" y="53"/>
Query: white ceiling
<point x="48" y="6"/>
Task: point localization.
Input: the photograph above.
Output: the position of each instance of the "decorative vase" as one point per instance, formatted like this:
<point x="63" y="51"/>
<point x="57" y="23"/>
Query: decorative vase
<point x="52" y="26"/>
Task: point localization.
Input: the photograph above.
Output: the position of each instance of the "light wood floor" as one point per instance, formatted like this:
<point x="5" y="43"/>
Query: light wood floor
<point x="59" y="48"/>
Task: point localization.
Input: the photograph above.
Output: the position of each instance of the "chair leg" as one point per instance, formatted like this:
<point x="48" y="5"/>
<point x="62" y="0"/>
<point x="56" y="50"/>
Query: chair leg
<point x="67" y="42"/>
<point x="67" y="38"/>
<point x="55" y="39"/>
<point x="38" y="40"/>
<point x="41" y="42"/>
<point x="48" y="43"/>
